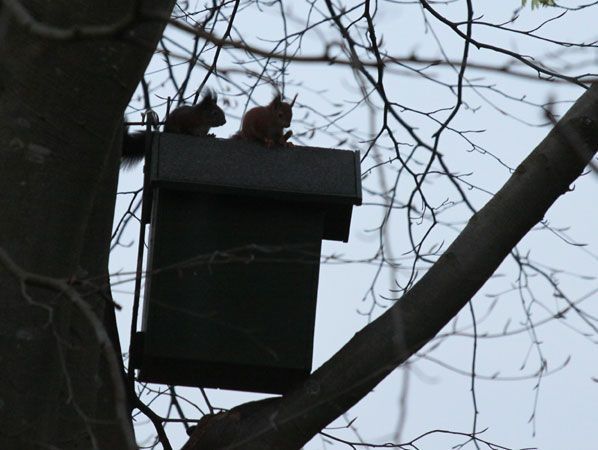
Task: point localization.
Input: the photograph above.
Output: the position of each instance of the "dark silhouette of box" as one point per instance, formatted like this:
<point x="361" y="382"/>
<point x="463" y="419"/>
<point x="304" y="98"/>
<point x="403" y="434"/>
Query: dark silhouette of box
<point x="234" y="255"/>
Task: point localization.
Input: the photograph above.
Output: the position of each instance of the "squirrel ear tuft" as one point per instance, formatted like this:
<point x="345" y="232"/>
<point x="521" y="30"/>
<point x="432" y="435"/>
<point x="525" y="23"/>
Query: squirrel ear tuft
<point x="277" y="100"/>
<point x="210" y="97"/>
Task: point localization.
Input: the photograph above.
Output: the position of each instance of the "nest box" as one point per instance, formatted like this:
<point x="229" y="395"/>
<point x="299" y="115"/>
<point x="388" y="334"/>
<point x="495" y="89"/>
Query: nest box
<point x="234" y="258"/>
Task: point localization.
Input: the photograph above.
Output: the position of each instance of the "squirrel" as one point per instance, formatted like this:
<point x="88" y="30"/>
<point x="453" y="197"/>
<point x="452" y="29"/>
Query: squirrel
<point x="265" y="124"/>
<point x="198" y="119"/>
<point x="193" y="120"/>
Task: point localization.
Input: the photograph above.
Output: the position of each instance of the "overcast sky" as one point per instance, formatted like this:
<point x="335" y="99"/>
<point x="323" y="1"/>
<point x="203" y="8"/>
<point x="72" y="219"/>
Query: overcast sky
<point x="506" y="130"/>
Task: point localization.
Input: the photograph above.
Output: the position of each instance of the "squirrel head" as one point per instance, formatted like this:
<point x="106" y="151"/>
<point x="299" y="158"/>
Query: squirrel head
<point x="283" y="112"/>
<point x="212" y="112"/>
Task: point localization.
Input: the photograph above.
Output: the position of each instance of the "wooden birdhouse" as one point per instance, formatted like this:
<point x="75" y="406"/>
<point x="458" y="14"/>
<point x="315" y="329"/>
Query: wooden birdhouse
<point x="234" y="257"/>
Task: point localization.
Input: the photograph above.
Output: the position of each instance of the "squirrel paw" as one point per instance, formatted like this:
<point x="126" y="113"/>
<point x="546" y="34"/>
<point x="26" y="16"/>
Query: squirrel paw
<point x="284" y="140"/>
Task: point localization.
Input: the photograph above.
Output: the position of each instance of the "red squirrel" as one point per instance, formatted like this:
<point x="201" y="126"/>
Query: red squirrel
<point x="265" y="124"/>
<point x="193" y="120"/>
<point x="196" y="120"/>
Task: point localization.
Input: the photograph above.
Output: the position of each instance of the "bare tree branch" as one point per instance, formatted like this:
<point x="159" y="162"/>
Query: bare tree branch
<point x="464" y="267"/>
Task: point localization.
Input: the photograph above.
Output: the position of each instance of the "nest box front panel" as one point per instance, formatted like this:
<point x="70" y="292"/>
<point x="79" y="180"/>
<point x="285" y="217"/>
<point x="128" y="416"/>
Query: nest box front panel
<point x="233" y="289"/>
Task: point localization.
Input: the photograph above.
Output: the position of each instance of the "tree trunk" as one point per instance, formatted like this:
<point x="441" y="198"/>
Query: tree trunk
<point x="289" y="422"/>
<point x="63" y="94"/>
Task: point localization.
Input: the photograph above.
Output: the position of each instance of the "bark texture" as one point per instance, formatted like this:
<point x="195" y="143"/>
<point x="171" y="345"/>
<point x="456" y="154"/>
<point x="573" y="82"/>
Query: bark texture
<point x="67" y="71"/>
<point x="289" y="422"/>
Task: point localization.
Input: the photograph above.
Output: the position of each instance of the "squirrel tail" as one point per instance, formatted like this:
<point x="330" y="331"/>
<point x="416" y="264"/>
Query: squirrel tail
<point x="133" y="149"/>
